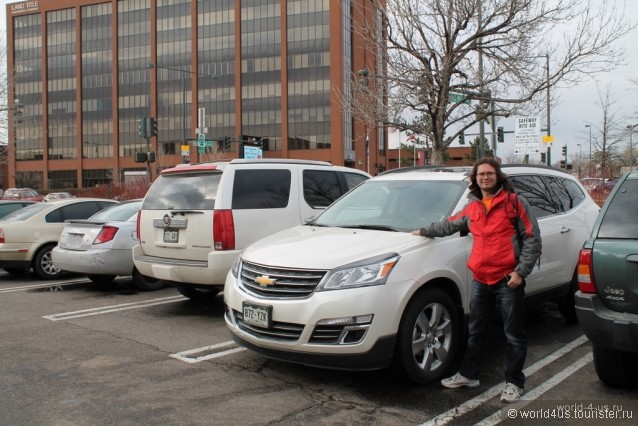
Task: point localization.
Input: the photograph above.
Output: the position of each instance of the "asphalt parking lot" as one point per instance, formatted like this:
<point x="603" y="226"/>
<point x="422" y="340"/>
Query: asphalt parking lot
<point x="78" y="354"/>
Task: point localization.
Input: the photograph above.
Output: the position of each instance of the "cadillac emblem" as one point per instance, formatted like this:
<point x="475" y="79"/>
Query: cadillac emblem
<point x="167" y="220"/>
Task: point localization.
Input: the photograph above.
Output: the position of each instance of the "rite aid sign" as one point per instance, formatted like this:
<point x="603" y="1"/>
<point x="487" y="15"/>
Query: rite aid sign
<point x="527" y="135"/>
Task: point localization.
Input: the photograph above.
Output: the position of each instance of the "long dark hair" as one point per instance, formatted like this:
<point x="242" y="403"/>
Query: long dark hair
<point x="501" y="177"/>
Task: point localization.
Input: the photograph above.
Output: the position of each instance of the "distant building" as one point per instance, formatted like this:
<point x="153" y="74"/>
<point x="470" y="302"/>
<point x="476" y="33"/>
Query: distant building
<point x="271" y="73"/>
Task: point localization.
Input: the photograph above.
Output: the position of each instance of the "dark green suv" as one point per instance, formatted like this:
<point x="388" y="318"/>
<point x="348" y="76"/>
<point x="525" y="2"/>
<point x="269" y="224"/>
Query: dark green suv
<point x="607" y="300"/>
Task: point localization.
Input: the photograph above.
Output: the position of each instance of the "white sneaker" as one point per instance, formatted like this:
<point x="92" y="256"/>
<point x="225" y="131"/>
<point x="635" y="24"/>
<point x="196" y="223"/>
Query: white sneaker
<point x="511" y="393"/>
<point x="459" y="381"/>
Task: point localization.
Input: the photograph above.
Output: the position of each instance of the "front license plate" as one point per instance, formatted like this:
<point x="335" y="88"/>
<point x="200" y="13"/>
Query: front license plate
<point x="171" y="235"/>
<point x="258" y="315"/>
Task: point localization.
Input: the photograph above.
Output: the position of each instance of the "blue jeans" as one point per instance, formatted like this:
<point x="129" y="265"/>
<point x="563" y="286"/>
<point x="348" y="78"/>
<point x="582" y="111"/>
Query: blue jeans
<point x="510" y="302"/>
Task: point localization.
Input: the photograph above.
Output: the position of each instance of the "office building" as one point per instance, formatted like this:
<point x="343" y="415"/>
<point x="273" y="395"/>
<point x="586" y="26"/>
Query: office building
<point x="211" y="75"/>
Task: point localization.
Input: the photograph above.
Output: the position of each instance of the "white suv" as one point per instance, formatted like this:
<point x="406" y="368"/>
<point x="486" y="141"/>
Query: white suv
<point x="195" y="219"/>
<point x="354" y="289"/>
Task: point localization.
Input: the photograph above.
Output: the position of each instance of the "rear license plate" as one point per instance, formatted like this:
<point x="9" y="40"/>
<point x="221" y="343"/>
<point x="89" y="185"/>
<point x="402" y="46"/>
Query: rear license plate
<point x="171" y="235"/>
<point x="75" y="240"/>
<point x="258" y="315"/>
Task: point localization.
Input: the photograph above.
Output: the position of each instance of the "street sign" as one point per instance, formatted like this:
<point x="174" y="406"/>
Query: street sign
<point x="185" y="150"/>
<point x="527" y="133"/>
<point x="201" y="140"/>
<point x="458" y="98"/>
<point x="548" y="139"/>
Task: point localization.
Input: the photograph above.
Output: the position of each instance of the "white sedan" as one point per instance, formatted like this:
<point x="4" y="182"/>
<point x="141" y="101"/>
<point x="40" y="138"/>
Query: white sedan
<point x="101" y="246"/>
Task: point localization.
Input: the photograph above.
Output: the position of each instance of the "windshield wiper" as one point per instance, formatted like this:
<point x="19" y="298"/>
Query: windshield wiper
<point x="373" y="227"/>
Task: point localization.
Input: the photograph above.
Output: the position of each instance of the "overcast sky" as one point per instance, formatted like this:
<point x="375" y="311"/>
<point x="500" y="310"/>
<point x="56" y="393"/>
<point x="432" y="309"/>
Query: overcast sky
<point x="577" y="106"/>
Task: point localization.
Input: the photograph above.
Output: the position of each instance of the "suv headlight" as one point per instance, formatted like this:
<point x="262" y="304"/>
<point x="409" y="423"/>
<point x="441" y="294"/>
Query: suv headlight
<point x="236" y="265"/>
<point x="368" y="272"/>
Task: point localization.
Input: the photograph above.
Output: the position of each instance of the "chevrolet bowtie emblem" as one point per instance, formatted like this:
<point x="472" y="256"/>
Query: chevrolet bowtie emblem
<point x="265" y="281"/>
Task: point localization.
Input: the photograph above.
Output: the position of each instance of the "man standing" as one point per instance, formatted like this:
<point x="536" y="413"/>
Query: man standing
<point x="506" y="246"/>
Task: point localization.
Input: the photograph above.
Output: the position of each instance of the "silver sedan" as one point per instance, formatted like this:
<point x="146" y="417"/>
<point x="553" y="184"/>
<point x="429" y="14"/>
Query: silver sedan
<point x="101" y="246"/>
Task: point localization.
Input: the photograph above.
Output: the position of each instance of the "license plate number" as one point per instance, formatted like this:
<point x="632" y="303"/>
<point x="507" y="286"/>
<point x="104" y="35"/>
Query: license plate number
<point x="258" y="315"/>
<point x="171" y="235"/>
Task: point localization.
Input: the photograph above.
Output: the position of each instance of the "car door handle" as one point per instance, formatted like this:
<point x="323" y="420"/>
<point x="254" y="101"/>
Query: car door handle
<point x="564" y="230"/>
<point x="632" y="258"/>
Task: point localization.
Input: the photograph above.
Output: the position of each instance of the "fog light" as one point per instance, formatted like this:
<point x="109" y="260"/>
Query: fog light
<point x="356" y="320"/>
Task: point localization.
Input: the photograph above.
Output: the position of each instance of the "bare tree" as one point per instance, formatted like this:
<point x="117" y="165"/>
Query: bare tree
<point x="610" y="135"/>
<point x="452" y="63"/>
<point x="4" y="93"/>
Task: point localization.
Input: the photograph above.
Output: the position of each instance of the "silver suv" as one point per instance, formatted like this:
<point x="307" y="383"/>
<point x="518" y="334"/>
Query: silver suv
<point x="354" y="289"/>
<point x="195" y="219"/>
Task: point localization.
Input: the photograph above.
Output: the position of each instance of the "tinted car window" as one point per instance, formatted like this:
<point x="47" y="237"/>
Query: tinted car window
<point x="81" y="210"/>
<point x="620" y="220"/>
<point x="187" y="191"/>
<point x="25" y="213"/>
<point x="538" y="194"/>
<point x="261" y="189"/>
<point x="354" y="179"/>
<point x="5" y="209"/>
<point x="320" y="188"/>
<point x="568" y="192"/>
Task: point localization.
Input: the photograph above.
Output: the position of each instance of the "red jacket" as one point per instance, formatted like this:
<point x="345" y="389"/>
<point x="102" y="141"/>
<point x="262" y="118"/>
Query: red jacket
<point x="506" y="238"/>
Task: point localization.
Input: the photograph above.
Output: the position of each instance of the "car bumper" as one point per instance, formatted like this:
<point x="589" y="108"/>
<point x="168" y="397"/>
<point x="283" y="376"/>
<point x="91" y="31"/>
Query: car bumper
<point x="14" y="256"/>
<point x="298" y="335"/>
<point x="211" y="272"/>
<point x="604" y="327"/>
<point x="92" y="262"/>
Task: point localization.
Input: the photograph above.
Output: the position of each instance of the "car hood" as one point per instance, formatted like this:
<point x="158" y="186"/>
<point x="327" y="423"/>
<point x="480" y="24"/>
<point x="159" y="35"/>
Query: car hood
<point x="312" y="247"/>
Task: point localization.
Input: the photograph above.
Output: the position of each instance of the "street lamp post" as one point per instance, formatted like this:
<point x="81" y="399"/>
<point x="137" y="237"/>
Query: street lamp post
<point x="580" y="158"/>
<point x="589" y="125"/>
<point x="631" y="128"/>
<point x="184" y="73"/>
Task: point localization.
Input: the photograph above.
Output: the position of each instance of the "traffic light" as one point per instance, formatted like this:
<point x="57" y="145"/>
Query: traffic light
<point x="143" y="130"/>
<point x="543" y="159"/>
<point x="151" y="127"/>
<point x="562" y="164"/>
<point x="143" y="157"/>
<point x="18" y="113"/>
<point x="461" y="138"/>
<point x="226" y="142"/>
<point x="500" y="137"/>
<point x="565" y="151"/>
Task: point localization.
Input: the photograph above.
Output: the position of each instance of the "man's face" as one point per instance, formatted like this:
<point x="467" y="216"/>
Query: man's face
<point x="486" y="178"/>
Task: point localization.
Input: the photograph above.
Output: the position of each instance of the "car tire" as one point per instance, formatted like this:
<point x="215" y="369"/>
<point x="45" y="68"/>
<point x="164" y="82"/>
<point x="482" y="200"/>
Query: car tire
<point x="615" y="368"/>
<point x="103" y="280"/>
<point x="43" y="265"/>
<point x="145" y="283"/>
<point x="199" y="294"/>
<point x="428" y="337"/>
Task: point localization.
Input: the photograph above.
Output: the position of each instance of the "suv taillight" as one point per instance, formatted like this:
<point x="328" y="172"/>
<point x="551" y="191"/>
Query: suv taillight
<point x="223" y="230"/>
<point x="586" y="282"/>
<point x="106" y="234"/>
<point x="1" y="235"/>
<point x="137" y="227"/>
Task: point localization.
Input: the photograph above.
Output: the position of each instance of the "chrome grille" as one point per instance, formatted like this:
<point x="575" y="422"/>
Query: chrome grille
<point x="280" y="331"/>
<point x="281" y="283"/>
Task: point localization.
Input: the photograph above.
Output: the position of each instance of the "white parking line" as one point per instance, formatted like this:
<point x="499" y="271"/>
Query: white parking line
<point x="473" y="403"/>
<point x="48" y="284"/>
<point x="113" y="308"/>
<point x="183" y="356"/>
<point x="542" y="388"/>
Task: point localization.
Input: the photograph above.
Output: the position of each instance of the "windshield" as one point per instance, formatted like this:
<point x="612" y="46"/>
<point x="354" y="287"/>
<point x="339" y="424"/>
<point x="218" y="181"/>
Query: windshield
<point x="194" y="191"/>
<point x="394" y="205"/>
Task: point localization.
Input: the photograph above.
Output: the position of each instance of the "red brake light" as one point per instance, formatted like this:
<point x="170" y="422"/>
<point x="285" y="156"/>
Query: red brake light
<point x="223" y="230"/>
<point x="586" y="282"/>
<point x="1" y="236"/>
<point x="106" y="234"/>
<point x="137" y="227"/>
